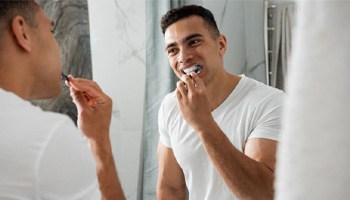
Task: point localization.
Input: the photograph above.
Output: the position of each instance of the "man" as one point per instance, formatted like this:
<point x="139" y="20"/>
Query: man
<point x="43" y="155"/>
<point x="218" y="131"/>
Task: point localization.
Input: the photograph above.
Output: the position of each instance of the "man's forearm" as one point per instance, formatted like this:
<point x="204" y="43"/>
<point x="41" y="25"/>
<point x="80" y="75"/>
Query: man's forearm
<point x="247" y="178"/>
<point x="94" y="118"/>
<point x="171" y="194"/>
<point x="109" y="184"/>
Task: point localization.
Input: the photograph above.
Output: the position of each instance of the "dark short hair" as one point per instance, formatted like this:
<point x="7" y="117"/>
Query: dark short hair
<point x="185" y="11"/>
<point x="11" y="8"/>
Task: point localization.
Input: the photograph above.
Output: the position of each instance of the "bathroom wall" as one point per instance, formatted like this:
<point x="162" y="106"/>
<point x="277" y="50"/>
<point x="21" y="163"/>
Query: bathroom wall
<point x="242" y="22"/>
<point x="117" y="29"/>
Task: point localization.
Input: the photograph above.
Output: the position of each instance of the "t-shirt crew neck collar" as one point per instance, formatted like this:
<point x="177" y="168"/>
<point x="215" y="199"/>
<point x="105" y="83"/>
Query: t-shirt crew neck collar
<point x="234" y="95"/>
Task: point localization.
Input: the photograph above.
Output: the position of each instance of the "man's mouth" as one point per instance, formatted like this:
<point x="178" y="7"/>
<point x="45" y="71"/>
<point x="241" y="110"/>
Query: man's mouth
<point x="195" y="68"/>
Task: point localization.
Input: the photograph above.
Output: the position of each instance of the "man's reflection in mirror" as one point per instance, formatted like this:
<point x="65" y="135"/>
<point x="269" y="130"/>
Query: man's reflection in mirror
<point x="218" y="131"/>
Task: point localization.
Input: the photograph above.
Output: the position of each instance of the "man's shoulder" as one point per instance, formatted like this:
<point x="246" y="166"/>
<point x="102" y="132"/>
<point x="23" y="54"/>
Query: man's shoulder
<point x="169" y="106"/>
<point x="260" y="87"/>
<point x="16" y="110"/>
<point x="169" y="99"/>
<point x="261" y="93"/>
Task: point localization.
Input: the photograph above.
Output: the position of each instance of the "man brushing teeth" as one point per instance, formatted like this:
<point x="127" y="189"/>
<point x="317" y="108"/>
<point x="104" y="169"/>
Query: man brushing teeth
<point x="218" y="131"/>
<point x="195" y="68"/>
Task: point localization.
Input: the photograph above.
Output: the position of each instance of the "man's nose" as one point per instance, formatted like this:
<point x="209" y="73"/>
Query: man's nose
<point x="185" y="56"/>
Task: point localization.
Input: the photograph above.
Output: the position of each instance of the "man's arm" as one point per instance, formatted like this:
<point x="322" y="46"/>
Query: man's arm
<point x="250" y="174"/>
<point x="171" y="182"/>
<point x="94" y="118"/>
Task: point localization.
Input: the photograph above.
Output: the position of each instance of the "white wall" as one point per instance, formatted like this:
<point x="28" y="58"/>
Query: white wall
<point x="118" y="33"/>
<point x="241" y="21"/>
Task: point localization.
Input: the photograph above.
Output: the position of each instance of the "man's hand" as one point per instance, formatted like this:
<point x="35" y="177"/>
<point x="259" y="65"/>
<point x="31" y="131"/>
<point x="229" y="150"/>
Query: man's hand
<point x="193" y="101"/>
<point x="94" y="118"/>
<point x="94" y="107"/>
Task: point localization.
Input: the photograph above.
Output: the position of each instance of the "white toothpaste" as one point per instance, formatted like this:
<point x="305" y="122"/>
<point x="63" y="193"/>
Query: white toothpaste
<point x="195" y="68"/>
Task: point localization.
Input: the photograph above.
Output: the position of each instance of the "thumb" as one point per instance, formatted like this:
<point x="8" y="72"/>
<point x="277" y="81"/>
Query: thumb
<point x="78" y="99"/>
<point x="197" y="81"/>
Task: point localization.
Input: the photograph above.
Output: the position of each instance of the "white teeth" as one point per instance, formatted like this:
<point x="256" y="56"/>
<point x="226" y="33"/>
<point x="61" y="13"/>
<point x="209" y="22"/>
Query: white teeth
<point x="195" y="68"/>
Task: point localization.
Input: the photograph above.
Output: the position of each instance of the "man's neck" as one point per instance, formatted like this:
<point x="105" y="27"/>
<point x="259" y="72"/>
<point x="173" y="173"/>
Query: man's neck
<point x="221" y="87"/>
<point x="13" y="82"/>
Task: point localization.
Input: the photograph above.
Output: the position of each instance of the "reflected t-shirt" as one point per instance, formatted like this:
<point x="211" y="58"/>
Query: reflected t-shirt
<point x="252" y="110"/>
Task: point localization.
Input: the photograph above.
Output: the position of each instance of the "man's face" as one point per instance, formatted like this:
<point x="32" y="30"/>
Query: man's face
<point x="189" y="43"/>
<point x="46" y="58"/>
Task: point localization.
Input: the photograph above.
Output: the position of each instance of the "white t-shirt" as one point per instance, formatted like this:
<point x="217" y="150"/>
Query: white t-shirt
<point x="252" y="110"/>
<point x="42" y="154"/>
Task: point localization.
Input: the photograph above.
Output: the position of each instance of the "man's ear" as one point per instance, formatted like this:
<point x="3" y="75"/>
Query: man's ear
<point x="20" y="30"/>
<point x="222" y="45"/>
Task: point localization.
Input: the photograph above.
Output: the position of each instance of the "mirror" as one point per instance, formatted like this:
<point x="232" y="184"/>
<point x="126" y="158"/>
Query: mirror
<point x="119" y="33"/>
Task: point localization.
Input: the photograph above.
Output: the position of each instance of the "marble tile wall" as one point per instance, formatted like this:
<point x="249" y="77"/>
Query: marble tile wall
<point x="72" y="34"/>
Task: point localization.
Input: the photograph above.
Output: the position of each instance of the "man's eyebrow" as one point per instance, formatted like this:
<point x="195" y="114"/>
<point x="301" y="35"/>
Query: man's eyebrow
<point x="170" y="45"/>
<point x="184" y="40"/>
<point x="191" y="36"/>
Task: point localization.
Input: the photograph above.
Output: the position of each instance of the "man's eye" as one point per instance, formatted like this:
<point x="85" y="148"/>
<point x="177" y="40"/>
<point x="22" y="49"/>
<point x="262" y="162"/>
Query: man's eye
<point x="172" y="51"/>
<point x="194" y="42"/>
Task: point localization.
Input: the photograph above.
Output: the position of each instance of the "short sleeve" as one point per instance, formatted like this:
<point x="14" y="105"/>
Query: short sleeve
<point x="164" y="137"/>
<point x="66" y="168"/>
<point x="269" y="121"/>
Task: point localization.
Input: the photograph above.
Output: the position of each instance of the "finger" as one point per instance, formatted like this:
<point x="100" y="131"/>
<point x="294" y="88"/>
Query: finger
<point x="189" y="82"/>
<point x="84" y="85"/>
<point x="197" y="82"/>
<point x="186" y="79"/>
<point x="178" y="95"/>
<point x="67" y="82"/>
<point x="181" y="87"/>
<point x="89" y="83"/>
<point x="92" y="92"/>
<point x="78" y="99"/>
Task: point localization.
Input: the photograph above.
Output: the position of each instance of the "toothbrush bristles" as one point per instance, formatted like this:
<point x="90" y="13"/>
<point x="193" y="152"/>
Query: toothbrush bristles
<point x="64" y="77"/>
